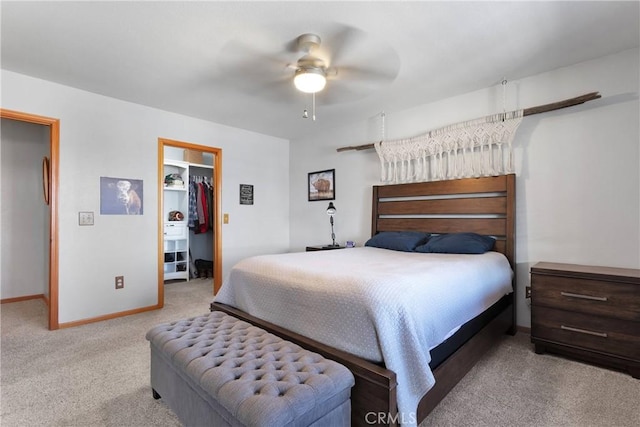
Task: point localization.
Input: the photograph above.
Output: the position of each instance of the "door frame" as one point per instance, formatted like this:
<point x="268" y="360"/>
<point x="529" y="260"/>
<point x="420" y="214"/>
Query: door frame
<point x="54" y="153"/>
<point x="217" y="220"/>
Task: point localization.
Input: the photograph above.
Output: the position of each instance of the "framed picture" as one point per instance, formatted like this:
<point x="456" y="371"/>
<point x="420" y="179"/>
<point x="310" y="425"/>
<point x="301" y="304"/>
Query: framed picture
<point x="246" y="194"/>
<point x="322" y="185"/>
<point x="120" y="196"/>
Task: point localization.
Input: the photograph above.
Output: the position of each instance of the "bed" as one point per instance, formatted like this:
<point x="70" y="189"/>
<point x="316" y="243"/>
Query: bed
<point x="484" y="206"/>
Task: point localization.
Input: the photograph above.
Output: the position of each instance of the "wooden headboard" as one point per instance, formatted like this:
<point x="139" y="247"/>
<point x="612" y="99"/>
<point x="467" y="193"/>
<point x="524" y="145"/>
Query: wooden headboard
<point x="479" y="205"/>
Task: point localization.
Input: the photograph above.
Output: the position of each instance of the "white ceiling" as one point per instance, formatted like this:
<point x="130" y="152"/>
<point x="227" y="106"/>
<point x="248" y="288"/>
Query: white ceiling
<point x="226" y="61"/>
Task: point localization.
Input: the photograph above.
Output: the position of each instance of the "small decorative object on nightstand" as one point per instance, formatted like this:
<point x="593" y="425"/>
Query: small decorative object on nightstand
<point x="586" y="312"/>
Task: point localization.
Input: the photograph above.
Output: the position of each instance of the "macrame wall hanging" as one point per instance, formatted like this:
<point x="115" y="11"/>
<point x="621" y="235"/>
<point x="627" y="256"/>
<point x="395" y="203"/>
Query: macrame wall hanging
<point x="474" y="148"/>
<point x="467" y="149"/>
<point x="481" y="147"/>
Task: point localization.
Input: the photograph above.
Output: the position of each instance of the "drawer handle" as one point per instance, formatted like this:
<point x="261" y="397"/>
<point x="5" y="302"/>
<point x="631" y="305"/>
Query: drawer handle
<point x="572" y="295"/>
<point x="584" y="331"/>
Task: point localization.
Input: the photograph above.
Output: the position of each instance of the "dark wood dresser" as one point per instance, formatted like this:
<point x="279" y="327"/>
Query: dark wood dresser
<point x="588" y="313"/>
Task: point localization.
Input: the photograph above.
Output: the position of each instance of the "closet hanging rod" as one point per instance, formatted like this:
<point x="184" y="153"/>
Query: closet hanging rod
<point x="200" y="178"/>
<point x="526" y="112"/>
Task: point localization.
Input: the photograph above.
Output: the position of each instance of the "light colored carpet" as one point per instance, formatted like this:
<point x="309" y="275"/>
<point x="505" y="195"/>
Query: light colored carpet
<point x="98" y="375"/>
<point x="513" y="386"/>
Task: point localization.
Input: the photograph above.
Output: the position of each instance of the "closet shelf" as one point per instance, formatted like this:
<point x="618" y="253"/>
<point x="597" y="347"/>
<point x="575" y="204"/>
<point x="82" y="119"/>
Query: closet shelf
<point x="176" y="163"/>
<point x="198" y="165"/>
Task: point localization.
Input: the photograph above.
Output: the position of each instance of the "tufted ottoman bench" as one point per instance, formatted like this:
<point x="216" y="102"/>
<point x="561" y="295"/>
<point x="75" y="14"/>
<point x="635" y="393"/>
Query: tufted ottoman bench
<point x="216" y="370"/>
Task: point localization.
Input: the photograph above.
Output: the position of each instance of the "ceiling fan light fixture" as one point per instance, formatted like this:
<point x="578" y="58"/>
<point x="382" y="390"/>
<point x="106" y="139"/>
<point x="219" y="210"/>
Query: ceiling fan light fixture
<point x="310" y="80"/>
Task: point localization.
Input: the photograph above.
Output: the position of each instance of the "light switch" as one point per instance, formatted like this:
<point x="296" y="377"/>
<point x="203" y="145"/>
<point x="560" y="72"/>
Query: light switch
<point x="225" y="218"/>
<point x="85" y="218"/>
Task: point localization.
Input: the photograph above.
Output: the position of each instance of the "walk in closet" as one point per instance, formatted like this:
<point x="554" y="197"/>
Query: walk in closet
<point x="189" y="214"/>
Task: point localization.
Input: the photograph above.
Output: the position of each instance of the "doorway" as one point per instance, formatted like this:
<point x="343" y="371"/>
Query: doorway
<point x="50" y="179"/>
<point x="217" y="221"/>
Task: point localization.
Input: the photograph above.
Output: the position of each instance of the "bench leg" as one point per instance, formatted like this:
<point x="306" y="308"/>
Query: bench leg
<point x="156" y="396"/>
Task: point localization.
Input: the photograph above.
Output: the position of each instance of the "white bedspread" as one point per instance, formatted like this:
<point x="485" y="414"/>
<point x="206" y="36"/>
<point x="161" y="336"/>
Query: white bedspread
<point x="377" y="304"/>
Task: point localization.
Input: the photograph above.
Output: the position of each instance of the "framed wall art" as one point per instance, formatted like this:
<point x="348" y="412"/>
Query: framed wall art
<point x="322" y="185"/>
<point x="120" y="196"/>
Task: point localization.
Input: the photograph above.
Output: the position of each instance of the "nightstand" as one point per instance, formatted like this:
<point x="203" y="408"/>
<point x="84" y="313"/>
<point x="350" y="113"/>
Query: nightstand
<point x="588" y="313"/>
<point x="323" y="248"/>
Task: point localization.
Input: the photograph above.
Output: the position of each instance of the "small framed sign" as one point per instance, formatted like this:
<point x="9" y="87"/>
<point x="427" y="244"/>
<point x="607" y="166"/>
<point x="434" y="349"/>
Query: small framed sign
<point x="246" y="194"/>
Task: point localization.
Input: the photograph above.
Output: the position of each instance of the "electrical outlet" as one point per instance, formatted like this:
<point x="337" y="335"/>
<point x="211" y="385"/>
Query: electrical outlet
<point x="119" y="282"/>
<point x="527" y="292"/>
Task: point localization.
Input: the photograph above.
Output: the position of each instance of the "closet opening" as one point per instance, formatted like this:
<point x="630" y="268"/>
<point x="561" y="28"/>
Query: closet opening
<point x="189" y="209"/>
<point x="40" y="203"/>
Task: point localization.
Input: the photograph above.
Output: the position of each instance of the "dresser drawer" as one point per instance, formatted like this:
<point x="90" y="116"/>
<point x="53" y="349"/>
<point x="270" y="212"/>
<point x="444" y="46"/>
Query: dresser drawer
<point x="617" y="300"/>
<point x="605" y="335"/>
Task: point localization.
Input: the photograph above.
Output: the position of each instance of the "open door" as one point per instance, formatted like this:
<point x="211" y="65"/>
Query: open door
<point x="52" y="178"/>
<point x="217" y="223"/>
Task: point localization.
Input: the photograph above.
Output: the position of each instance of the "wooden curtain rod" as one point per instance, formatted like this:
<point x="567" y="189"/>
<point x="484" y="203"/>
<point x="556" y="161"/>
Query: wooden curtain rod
<point x="527" y="112"/>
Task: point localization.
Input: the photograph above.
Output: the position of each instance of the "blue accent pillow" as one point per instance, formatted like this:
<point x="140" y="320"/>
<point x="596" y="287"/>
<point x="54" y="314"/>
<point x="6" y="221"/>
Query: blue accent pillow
<point x="458" y="243"/>
<point x="405" y="241"/>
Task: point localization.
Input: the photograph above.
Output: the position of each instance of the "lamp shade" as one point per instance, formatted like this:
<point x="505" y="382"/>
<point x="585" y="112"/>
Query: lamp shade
<point x="309" y="80"/>
<point x="331" y="210"/>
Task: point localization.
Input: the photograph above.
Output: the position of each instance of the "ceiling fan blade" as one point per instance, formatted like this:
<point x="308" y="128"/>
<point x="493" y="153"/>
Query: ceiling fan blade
<point x="350" y="83"/>
<point x="341" y="43"/>
<point x="250" y="69"/>
<point x="340" y="91"/>
<point x="381" y="74"/>
<point x="358" y="65"/>
<point x="236" y="50"/>
<point x="281" y="91"/>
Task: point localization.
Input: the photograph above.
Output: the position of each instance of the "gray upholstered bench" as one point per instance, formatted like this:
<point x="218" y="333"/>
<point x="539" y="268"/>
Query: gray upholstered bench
<point x="216" y="370"/>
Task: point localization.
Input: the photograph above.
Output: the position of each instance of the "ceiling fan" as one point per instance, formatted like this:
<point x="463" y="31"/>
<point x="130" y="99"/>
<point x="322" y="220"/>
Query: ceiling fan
<point x="345" y="65"/>
<point x="311" y="71"/>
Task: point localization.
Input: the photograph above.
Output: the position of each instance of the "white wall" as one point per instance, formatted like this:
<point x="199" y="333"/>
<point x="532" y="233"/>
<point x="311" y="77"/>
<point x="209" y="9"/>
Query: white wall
<point x="101" y="136"/>
<point x="578" y="169"/>
<point x="24" y="217"/>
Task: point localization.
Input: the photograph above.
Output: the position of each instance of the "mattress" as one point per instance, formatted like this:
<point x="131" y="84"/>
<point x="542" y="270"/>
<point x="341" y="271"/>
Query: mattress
<point x="380" y="305"/>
